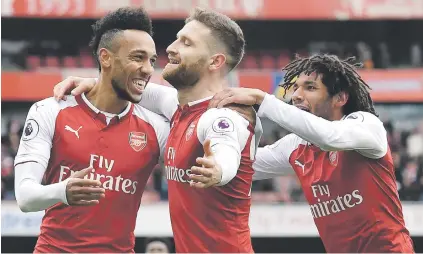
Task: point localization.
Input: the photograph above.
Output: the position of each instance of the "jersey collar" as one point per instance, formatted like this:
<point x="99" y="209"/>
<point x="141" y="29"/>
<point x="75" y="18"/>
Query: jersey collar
<point x="83" y="101"/>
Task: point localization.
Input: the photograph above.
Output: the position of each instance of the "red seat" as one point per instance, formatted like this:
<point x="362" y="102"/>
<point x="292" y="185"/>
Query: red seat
<point x="267" y="61"/>
<point x="52" y="61"/>
<point x="249" y="62"/>
<point x="87" y="61"/>
<point x="33" y="62"/>
<point x="70" y="62"/>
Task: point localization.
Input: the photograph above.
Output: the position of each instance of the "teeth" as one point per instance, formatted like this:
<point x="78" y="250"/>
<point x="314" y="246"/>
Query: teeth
<point x="140" y="83"/>
<point x="173" y="61"/>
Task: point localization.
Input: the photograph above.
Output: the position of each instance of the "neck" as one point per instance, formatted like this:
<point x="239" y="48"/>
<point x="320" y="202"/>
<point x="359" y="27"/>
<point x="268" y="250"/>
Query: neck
<point x="202" y="89"/>
<point x="104" y="98"/>
<point x="336" y="116"/>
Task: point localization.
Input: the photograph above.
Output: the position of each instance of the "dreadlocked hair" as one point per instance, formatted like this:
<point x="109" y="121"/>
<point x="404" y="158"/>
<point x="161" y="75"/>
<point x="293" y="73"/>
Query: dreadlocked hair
<point x="337" y="75"/>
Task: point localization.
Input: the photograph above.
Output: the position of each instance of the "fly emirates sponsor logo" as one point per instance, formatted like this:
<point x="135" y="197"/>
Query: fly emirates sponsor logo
<point x="173" y="173"/>
<point x="112" y="183"/>
<point x="334" y="204"/>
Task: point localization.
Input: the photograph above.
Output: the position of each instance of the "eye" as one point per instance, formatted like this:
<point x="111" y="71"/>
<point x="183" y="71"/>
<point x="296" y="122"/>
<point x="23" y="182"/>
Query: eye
<point x="187" y="43"/>
<point x="153" y="61"/>
<point x="311" y="88"/>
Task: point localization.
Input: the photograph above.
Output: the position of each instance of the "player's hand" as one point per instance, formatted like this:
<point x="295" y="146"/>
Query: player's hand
<point x="210" y="173"/>
<point x="74" y="86"/>
<point x="245" y="96"/>
<point x="83" y="192"/>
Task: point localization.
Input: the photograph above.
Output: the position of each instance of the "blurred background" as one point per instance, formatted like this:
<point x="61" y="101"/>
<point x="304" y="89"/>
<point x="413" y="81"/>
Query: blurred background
<point x="44" y="41"/>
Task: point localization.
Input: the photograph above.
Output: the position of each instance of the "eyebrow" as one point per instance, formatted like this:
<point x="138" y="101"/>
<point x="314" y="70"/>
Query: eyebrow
<point x="141" y="51"/>
<point x="310" y="82"/>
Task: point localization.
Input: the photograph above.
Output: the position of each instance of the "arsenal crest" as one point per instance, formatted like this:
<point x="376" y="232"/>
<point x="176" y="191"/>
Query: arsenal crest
<point x="137" y="140"/>
<point x="333" y="158"/>
<point x="189" y="132"/>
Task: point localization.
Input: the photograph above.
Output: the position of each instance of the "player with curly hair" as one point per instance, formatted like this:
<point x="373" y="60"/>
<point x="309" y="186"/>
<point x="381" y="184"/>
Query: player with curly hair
<point x="339" y="151"/>
<point x="86" y="160"/>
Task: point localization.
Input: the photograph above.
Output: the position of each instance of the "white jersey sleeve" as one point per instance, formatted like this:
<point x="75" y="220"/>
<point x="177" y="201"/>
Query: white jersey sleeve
<point x="160" y="99"/>
<point x="32" y="159"/>
<point x="37" y="137"/>
<point x="159" y="123"/>
<point x="228" y="134"/>
<point x="273" y="160"/>
<point x="359" y="131"/>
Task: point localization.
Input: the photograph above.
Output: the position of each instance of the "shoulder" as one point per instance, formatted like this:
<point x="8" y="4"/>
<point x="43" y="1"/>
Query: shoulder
<point x="290" y="142"/>
<point x="49" y="107"/>
<point x="221" y="120"/>
<point x="365" y="117"/>
<point x="147" y="115"/>
<point x="247" y="112"/>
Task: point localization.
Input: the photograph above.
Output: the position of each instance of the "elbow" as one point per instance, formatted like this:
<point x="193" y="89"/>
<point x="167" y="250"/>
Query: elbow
<point x="24" y="206"/>
<point x="23" y="203"/>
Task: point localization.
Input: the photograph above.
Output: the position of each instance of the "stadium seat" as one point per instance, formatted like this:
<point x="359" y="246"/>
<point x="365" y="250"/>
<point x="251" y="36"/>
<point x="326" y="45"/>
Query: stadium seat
<point x="87" y="61"/>
<point x="52" y="62"/>
<point x="267" y="61"/>
<point x="249" y="62"/>
<point x="33" y="62"/>
<point x="70" y="62"/>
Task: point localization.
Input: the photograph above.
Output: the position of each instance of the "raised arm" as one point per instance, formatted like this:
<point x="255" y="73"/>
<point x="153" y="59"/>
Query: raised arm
<point x="360" y="131"/>
<point x="160" y="99"/>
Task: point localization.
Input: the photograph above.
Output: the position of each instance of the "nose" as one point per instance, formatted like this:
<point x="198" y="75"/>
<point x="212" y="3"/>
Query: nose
<point x="171" y="49"/>
<point x="298" y="96"/>
<point x="146" y="69"/>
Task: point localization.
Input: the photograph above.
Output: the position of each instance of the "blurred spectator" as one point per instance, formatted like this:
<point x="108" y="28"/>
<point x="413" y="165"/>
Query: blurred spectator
<point x="157" y="245"/>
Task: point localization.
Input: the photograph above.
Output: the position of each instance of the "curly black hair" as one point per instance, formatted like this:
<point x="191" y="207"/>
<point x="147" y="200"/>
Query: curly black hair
<point x="106" y="28"/>
<point x="337" y="75"/>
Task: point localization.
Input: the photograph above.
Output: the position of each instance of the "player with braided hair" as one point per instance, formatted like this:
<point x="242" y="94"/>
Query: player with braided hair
<point x="339" y="151"/>
<point x="333" y="69"/>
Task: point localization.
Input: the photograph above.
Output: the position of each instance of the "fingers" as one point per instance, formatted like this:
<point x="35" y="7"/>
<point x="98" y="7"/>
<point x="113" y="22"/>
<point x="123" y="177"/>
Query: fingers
<point x="63" y="87"/>
<point x="86" y="190"/>
<point x="86" y="203"/>
<point x="84" y="85"/>
<point x="198" y="185"/>
<point x="206" y="162"/>
<point x="217" y="98"/>
<point x="226" y="101"/>
<point x="82" y="172"/>
<point x="88" y="197"/>
<point x="200" y="171"/>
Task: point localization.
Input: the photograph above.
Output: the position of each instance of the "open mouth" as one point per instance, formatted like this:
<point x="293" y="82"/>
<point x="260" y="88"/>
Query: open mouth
<point x="303" y="108"/>
<point x="174" y="61"/>
<point x="139" y="84"/>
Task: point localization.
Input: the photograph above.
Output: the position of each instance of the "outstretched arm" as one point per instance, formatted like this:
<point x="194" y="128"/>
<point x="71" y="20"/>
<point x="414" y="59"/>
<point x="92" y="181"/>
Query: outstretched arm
<point x="360" y="131"/>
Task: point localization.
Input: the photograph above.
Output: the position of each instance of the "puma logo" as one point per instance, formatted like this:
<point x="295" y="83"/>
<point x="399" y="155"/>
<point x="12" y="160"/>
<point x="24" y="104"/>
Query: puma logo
<point x="299" y="164"/>
<point x="68" y="128"/>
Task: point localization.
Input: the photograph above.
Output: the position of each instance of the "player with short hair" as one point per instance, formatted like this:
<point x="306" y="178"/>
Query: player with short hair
<point x="86" y="160"/>
<point x="339" y="151"/>
<point x="215" y="219"/>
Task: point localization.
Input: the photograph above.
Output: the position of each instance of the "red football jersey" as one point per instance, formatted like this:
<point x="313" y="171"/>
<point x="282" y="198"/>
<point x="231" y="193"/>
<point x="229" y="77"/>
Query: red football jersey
<point x="70" y="135"/>
<point x="213" y="219"/>
<point x="348" y="181"/>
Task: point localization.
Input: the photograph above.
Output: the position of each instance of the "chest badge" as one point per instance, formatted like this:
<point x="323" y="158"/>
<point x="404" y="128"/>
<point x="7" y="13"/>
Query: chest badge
<point x="137" y="140"/>
<point x="333" y="158"/>
<point x="190" y="131"/>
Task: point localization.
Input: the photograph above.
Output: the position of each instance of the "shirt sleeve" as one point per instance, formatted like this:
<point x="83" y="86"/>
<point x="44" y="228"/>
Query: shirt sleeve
<point x="31" y="195"/>
<point x="360" y="131"/>
<point x="160" y="99"/>
<point x="32" y="159"/>
<point x="228" y="134"/>
<point x="162" y="128"/>
<point x="37" y="137"/>
<point x="273" y="160"/>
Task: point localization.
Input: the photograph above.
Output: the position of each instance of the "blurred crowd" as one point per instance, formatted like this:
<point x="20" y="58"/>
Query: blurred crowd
<point x="406" y="147"/>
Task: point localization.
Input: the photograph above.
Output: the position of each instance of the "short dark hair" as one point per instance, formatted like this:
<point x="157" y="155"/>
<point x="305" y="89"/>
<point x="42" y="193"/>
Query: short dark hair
<point x="107" y="28"/>
<point x="224" y="29"/>
<point x="337" y="75"/>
